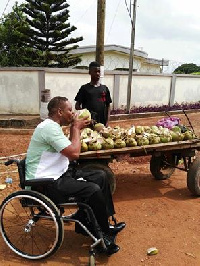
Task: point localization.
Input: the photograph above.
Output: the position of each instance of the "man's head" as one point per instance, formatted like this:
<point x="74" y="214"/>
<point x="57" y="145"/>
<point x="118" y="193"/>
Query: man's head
<point x="94" y="71"/>
<point x="60" y="110"/>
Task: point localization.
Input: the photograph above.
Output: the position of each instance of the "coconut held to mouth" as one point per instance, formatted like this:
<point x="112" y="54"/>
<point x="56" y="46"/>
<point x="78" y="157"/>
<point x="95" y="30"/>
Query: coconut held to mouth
<point x="84" y="113"/>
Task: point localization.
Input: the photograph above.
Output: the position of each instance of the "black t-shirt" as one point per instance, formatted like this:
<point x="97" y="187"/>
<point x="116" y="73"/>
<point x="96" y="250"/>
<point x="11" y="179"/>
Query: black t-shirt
<point x="96" y="100"/>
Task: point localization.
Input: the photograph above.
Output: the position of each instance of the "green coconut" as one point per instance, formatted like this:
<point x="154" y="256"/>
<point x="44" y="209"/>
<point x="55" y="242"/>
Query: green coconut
<point x="98" y="127"/>
<point x="176" y="129"/>
<point x="177" y="136"/>
<point x="108" y="144"/>
<point x="84" y="113"/>
<point x="154" y="139"/>
<point x="188" y="135"/>
<point x="165" y="138"/>
<point x="139" y="129"/>
<point x="131" y="142"/>
<point x="119" y="143"/>
<point x="94" y="146"/>
<point x="84" y="146"/>
<point x="141" y="141"/>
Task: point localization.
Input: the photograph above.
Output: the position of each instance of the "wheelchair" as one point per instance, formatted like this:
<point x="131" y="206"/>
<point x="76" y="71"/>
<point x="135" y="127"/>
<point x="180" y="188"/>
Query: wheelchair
<point x="32" y="225"/>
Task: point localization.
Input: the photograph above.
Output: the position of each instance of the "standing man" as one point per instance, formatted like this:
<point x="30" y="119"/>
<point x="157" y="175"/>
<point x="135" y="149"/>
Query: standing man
<point x="95" y="96"/>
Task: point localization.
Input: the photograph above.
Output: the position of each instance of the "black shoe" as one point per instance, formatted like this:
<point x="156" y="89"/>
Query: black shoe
<point x="111" y="247"/>
<point x="115" y="229"/>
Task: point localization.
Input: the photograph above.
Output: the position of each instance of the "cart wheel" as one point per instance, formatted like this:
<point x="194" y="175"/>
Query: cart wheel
<point x="193" y="177"/>
<point x="109" y="173"/>
<point x="160" y="168"/>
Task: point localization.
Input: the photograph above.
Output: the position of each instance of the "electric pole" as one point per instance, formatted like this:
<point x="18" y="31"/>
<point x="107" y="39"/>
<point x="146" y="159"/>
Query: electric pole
<point x="101" y="8"/>
<point x="133" y="19"/>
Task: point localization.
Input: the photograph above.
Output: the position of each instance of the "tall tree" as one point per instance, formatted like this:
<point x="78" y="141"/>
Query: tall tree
<point x="187" y="69"/>
<point x="13" y="49"/>
<point x="49" y="32"/>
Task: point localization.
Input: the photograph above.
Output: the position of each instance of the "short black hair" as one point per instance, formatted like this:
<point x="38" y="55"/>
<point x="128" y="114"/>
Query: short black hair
<point x="55" y="103"/>
<point x="94" y="64"/>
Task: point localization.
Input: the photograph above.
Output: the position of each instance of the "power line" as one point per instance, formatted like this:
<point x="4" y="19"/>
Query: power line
<point x="5" y="8"/>
<point x="128" y="9"/>
<point x="85" y="12"/>
<point x="113" y="20"/>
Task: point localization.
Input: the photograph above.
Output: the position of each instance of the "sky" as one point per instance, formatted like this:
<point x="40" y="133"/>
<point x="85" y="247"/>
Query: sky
<point x="165" y="29"/>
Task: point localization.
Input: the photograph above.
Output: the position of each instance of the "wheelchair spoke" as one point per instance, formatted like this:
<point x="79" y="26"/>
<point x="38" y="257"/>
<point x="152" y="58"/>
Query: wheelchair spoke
<point x="28" y="230"/>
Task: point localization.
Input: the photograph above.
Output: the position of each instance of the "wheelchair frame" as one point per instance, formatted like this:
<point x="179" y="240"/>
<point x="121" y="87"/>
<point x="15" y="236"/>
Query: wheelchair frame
<point x="31" y="214"/>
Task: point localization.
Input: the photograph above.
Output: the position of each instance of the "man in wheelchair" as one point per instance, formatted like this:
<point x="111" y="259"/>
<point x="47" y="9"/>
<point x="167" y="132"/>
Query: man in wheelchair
<point x="49" y="155"/>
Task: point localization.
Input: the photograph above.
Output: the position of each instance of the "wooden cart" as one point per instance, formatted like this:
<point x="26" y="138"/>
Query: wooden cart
<point x="165" y="158"/>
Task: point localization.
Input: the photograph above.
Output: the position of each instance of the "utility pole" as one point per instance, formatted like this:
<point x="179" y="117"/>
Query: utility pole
<point x="101" y="8"/>
<point x="133" y="19"/>
<point x="162" y="67"/>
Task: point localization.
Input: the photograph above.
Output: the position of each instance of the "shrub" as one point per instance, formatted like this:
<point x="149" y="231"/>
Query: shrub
<point x="158" y="108"/>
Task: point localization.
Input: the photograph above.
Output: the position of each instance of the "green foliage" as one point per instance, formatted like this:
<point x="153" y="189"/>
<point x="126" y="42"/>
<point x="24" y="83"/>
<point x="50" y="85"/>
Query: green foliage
<point x="187" y="69"/>
<point x="49" y="33"/>
<point x="13" y="50"/>
<point x="196" y="73"/>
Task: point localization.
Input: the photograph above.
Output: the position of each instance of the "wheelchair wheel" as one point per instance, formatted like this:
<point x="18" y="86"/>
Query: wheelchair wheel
<point x="31" y="225"/>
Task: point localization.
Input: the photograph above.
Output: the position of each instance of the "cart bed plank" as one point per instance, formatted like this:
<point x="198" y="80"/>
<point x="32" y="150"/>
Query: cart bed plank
<point x="145" y="150"/>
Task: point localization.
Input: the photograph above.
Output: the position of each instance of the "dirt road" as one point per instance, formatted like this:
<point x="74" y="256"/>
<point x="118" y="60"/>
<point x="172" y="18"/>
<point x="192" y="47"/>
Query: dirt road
<point x="161" y="214"/>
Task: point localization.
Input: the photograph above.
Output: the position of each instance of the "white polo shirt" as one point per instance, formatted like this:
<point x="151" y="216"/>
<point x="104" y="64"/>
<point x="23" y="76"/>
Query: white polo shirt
<point x="44" y="159"/>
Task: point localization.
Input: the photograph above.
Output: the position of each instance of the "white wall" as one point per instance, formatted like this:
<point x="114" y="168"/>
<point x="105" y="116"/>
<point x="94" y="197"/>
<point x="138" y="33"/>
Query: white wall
<point x="150" y="90"/>
<point x="19" y="92"/>
<point x="68" y="84"/>
<point x="146" y="90"/>
<point x="20" y="88"/>
<point x="187" y="89"/>
<point x="65" y="84"/>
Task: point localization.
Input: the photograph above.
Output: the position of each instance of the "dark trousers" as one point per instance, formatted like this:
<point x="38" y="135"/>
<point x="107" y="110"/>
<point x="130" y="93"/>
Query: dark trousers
<point x="95" y="191"/>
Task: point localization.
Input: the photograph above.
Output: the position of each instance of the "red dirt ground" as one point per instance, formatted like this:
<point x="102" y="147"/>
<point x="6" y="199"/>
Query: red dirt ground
<point x="161" y="214"/>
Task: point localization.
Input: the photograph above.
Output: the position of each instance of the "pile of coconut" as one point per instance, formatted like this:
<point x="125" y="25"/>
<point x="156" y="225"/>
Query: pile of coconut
<point x="103" y="138"/>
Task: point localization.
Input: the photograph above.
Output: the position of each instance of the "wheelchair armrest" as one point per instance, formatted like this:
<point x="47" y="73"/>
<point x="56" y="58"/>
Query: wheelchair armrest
<point x="39" y="181"/>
